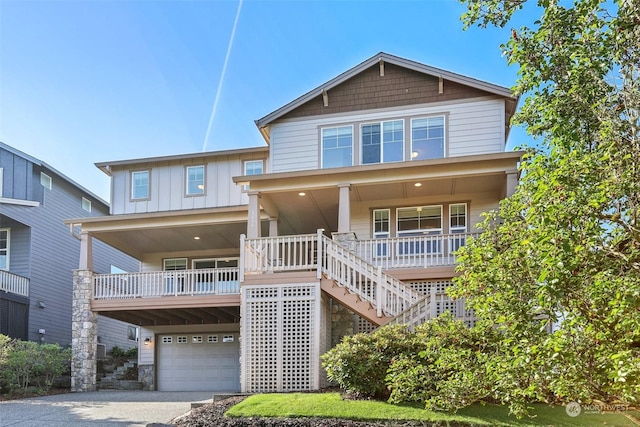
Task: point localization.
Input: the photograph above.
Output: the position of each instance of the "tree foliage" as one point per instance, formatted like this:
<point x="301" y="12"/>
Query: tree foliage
<point x="564" y="250"/>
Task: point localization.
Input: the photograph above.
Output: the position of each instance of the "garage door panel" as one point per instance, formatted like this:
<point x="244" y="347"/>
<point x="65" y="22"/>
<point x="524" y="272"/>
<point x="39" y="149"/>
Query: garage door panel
<point x="202" y="362"/>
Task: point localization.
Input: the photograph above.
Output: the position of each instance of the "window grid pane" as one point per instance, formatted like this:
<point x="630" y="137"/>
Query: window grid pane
<point x="371" y="143"/>
<point x="140" y="185"/>
<point x="458" y="218"/>
<point x="427" y="138"/>
<point x="393" y="141"/>
<point x="195" y="180"/>
<point x="337" y="147"/>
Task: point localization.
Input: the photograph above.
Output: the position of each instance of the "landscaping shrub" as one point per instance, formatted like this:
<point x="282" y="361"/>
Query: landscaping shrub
<point x="359" y="363"/>
<point x="26" y="363"/>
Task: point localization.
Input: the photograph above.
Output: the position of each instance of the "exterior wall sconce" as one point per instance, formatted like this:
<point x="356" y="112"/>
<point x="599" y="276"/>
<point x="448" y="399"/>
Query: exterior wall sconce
<point x="147" y="341"/>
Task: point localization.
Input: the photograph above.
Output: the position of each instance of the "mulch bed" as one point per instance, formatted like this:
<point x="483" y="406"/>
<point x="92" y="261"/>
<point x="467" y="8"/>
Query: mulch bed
<point x="213" y="415"/>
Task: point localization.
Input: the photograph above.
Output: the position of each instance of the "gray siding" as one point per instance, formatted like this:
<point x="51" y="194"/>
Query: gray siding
<point x="18" y="178"/>
<point x="53" y="253"/>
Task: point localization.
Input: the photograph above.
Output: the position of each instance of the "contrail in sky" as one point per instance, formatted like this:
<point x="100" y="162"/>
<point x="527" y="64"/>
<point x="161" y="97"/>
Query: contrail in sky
<point x="224" y="70"/>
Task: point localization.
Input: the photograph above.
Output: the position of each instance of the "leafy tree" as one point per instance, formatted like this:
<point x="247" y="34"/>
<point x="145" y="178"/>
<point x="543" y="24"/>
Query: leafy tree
<point x="557" y="268"/>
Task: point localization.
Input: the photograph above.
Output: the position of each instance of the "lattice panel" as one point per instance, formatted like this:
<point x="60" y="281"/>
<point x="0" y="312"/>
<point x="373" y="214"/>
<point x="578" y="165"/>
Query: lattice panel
<point x="280" y="341"/>
<point x="443" y="301"/>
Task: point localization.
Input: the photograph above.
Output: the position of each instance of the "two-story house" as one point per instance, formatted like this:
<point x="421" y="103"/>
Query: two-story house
<point x="38" y="254"/>
<point x="256" y="260"/>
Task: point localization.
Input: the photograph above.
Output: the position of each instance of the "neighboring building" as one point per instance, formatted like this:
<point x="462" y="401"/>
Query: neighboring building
<point x="255" y="261"/>
<point x="38" y="252"/>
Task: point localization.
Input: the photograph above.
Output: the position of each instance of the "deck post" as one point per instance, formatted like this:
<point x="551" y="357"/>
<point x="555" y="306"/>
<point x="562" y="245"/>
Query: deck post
<point x="243" y="238"/>
<point x="379" y="298"/>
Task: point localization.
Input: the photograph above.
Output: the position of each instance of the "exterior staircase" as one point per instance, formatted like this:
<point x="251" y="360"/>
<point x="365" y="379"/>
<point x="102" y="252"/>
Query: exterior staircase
<point x="347" y="277"/>
<point x="116" y="379"/>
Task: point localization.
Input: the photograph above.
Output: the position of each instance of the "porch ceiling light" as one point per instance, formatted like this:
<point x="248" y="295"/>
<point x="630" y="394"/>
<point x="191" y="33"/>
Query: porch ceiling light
<point x="196" y="238"/>
<point x="302" y="193"/>
<point x="417" y="184"/>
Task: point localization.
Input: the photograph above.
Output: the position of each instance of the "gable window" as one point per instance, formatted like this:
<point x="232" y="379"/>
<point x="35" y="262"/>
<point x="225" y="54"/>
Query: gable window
<point x="86" y="204"/>
<point x="253" y="167"/>
<point x="45" y="180"/>
<point x="382" y="142"/>
<point x="140" y="185"/>
<point x="4" y="248"/>
<point x="195" y="180"/>
<point x="427" y="138"/>
<point x="337" y="147"/>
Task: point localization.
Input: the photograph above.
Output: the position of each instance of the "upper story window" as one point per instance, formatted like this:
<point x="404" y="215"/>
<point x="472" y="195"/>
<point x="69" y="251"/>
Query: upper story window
<point x="195" y="180"/>
<point x="86" y="204"/>
<point x="140" y="185"/>
<point x="418" y="221"/>
<point x="382" y="142"/>
<point x="337" y="147"/>
<point x="427" y="138"/>
<point x="45" y="180"/>
<point x="4" y="248"/>
<point x="253" y="167"/>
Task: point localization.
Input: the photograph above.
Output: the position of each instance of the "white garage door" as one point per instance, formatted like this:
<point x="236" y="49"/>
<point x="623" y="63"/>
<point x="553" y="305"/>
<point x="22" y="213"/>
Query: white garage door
<point x="198" y="362"/>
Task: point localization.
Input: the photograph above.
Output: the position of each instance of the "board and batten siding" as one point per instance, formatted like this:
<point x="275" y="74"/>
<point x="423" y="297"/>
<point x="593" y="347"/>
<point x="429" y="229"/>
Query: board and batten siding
<point x="474" y="126"/>
<point x="168" y="183"/>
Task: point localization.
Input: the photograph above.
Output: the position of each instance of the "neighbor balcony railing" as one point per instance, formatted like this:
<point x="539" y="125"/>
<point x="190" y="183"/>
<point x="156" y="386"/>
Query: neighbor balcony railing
<point x="13" y="283"/>
<point x="213" y="281"/>
<point x="411" y="252"/>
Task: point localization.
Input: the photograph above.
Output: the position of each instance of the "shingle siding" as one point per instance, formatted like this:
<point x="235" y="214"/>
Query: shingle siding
<point x="398" y="87"/>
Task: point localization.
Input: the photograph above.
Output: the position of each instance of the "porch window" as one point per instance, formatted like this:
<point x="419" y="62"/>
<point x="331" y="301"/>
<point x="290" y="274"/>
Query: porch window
<point x="195" y="180"/>
<point x="381" y="230"/>
<point x="337" y="147"/>
<point x="253" y="167"/>
<point x="140" y="185"/>
<point x="457" y="225"/>
<point x="4" y="248"/>
<point x="419" y="221"/>
<point x="382" y="142"/>
<point x="222" y="281"/>
<point x="174" y="283"/>
<point x="427" y="138"/>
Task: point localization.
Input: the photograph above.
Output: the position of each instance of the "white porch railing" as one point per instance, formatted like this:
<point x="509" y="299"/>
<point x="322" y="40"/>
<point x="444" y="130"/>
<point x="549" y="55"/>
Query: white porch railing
<point x="303" y="252"/>
<point x="388" y="295"/>
<point x="213" y="281"/>
<point x="431" y="306"/>
<point x="282" y="253"/>
<point x="13" y="283"/>
<point x="411" y="252"/>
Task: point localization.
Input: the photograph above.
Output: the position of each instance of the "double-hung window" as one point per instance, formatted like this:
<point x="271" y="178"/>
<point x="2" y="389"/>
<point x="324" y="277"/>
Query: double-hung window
<point x="381" y="230"/>
<point x="140" y="185"/>
<point x="427" y="138"/>
<point x="174" y="282"/>
<point x="419" y="221"/>
<point x="382" y="142"/>
<point x="195" y="180"/>
<point x="4" y="248"/>
<point x="253" y="167"/>
<point x="457" y="225"/>
<point x="337" y="147"/>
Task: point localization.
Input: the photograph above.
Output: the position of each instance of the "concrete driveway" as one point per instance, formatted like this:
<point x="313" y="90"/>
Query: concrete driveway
<point x="99" y="408"/>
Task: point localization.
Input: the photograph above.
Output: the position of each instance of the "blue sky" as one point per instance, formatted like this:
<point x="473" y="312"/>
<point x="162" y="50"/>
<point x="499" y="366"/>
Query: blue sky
<point x="98" y="80"/>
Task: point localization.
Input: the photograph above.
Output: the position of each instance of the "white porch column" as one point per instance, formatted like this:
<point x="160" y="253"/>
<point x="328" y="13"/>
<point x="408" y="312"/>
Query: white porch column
<point x="86" y="252"/>
<point x="512" y="181"/>
<point x="273" y="227"/>
<point x="344" y="209"/>
<point x="253" y="220"/>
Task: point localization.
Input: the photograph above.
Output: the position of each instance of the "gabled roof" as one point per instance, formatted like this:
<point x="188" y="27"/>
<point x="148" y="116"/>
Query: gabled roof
<point x="44" y="165"/>
<point x="391" y="59"/>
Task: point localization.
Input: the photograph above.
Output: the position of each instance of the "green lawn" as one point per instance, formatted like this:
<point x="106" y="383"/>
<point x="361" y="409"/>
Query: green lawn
<point x="331" y="405"/>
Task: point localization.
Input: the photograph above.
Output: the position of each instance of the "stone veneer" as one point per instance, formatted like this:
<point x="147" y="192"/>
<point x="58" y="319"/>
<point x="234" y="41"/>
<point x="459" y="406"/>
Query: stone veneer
<point x="146" y="375"/>
<point x="84" y="333"/>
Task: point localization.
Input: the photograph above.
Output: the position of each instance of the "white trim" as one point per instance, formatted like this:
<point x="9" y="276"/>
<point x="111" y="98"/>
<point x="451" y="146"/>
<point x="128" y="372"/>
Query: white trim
<point x="46" y="181"/>
<point x="19" y="202"/>
<point x="8" y="248"/>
